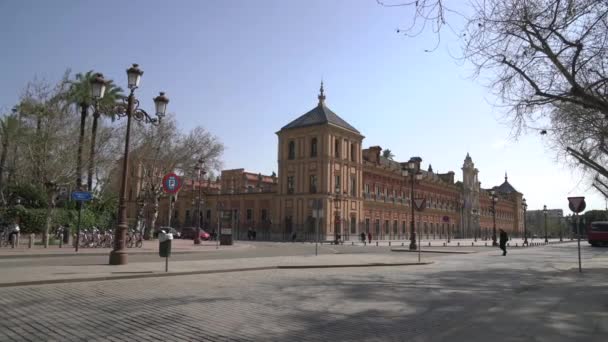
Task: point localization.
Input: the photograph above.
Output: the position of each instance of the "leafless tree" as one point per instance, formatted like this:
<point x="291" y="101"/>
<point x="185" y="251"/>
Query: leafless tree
<point x="546" y="60"/>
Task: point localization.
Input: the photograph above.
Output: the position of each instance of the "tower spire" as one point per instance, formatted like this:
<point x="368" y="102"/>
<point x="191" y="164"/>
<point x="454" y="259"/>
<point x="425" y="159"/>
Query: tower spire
<point x="321" y="95"/>
<point x="506" y="176"/>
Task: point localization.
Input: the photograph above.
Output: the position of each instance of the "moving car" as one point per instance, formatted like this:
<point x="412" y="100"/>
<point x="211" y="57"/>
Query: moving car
<point x="189" y="233"/>
<point x="597" y="233"/>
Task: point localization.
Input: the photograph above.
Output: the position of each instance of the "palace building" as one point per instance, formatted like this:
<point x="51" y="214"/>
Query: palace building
<point x="321" y="159"/>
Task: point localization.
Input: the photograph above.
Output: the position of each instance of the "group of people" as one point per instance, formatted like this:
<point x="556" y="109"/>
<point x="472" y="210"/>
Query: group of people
<point x="369" y="237"/>
<point x="251" y="234"/>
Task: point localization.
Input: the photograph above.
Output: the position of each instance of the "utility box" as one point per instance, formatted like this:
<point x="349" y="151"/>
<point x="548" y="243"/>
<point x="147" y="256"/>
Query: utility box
<point x="165" y="240"/>
<point x="226" y="236"/>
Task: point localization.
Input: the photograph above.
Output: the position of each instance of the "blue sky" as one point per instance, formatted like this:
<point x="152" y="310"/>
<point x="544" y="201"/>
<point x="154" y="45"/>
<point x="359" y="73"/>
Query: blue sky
<point x="243" y="69"/>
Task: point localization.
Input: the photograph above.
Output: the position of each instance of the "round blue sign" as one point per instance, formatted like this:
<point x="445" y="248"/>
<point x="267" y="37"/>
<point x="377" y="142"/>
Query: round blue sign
<point x="171" y="183"/>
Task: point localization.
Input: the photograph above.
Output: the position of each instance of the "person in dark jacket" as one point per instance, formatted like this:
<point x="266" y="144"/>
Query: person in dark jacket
<point x="369" y="236"/>
<point x="363" y="237"/>
<point x="503" y="242"/>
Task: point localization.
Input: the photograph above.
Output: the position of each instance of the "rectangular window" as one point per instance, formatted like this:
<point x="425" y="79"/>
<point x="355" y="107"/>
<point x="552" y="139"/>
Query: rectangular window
<point x="338" y="186"/>
<point x="352" y="152"/>
<point x="249" y="214"/>
<point x="367" y="225"/>
<point x="313" y="184"/>
<point x="292" y="150"/>
<point x="353" y="225"/>
<point x="337" y="148"/>
<point x="395" y="228"/>
<point x="366" y="186"/>
<point x="313" y="147"/>
<point x="353" y="186"/>
<point x="386" y="227"/>
<point x="264" y="215"/>
<point x="290" y="184"/>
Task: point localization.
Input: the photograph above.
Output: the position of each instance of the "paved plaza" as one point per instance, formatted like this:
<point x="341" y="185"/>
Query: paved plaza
<point x="533" y="294"/>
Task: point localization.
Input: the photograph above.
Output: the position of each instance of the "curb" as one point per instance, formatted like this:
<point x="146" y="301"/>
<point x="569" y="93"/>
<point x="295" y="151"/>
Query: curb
<point x="431" y="251"/>
<point x="74" y="254"/>
<point x="185" y="273"/>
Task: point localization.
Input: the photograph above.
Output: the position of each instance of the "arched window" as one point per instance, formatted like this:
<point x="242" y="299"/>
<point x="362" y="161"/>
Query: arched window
<point x="313" y="147"/>
<point x="292" y="150"/>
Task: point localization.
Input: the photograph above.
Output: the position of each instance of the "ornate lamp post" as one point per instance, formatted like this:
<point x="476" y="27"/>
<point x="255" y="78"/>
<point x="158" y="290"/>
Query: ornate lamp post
<point x="524" y="205"/>
<point x="201" y="172"/>
<point x="494" y="200"/>
<point x="118" y="256"/>
<point x="411" y="170"/>
<point x="545" y="211"/>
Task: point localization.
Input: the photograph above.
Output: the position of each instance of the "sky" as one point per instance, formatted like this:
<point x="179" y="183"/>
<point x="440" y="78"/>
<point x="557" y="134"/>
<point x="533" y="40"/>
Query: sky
<point x="244" y="69"/>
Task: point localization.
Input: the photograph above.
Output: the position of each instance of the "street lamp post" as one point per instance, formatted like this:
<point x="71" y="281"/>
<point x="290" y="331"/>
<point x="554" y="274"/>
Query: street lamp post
<point x="494" y="199"/>
<point x="201" y="172"/>
<point x="118" y="256"/>
<point x="525" y="207"/>
<point x="411" y="170"/>
<point x="545" y="213"/>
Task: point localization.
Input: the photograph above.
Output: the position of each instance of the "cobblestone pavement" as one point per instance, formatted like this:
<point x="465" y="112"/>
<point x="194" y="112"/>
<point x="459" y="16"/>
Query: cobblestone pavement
<point x="530" y="295"/>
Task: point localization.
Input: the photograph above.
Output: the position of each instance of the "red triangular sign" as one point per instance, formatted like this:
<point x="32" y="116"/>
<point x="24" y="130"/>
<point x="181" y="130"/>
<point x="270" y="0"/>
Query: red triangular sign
<point x="577" y="204"/>
<point x="419" y="202"/>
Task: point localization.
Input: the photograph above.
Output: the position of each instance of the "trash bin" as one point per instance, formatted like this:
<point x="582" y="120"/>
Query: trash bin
<point x="225" y="237"/>
<point x="164" y="247"/>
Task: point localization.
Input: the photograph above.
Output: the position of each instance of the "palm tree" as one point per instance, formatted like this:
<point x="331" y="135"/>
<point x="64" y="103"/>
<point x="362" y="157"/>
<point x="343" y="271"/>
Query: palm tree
<point x="106" y="106"/>
<point x="388" y="154"/>
<point x="9" y="126"/>
<point x="80" y="94"/>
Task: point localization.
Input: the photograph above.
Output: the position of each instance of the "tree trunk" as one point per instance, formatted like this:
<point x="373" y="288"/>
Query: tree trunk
<point x="92" y="152"/>
<point x="49" y="218"/>
<point x="2" y="163"/>
<point x="83" y="121"/>
<point x="150" y="230"/>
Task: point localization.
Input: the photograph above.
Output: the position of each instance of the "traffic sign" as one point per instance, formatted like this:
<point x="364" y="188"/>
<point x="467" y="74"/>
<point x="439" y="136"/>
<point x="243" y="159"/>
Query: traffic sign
<point x="577" y="204"/>
<point x="420" y="203"/>
<point x="171" y="183"/>
<point x="82" y="196"/>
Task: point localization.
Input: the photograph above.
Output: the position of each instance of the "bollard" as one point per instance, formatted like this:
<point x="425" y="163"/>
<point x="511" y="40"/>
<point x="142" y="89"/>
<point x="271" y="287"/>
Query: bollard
<point x="31" y="242"/>
<point x="376" y="243"/>
<point x="402" y="244"/>
<point x="429" y="244"/>
<point x="472" y="243"/>
<point x="459" y="244"/>
<point x="353" y="244"/>
<point x="444" y="244"/>
<point x="389" y="243"/>
<point x="486" y="244"/>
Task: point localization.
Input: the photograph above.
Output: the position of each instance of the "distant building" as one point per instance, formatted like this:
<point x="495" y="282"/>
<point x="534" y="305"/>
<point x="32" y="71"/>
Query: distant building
<point x="321" y="157"/>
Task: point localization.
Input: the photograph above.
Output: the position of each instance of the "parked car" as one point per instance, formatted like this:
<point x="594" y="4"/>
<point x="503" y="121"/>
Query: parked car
<point x="190" y="232"/>
<point x="175" y="232"/>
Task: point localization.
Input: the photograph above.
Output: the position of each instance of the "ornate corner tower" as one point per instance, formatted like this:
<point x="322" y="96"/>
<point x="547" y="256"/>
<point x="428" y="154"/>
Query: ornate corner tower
<point x="470" y="195"/>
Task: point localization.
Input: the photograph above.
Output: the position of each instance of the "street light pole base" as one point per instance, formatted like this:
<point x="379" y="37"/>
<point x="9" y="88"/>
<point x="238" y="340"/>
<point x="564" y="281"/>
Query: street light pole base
<point x="413" y="246"/>
<point x="118" y="257"/>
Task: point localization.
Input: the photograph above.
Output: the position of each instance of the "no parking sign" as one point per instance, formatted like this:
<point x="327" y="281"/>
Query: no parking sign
<point x="171" y="183"/>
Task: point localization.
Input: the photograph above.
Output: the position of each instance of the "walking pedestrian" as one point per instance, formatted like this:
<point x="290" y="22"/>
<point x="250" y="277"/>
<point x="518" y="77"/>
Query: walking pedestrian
<point x="293" y="237"/>
<point x="363" y="237"/>
<point x="253" y="233"/>
<point x="369" y="237"/>
<point x="503" y="241"/>
<point x="249" y="234"/>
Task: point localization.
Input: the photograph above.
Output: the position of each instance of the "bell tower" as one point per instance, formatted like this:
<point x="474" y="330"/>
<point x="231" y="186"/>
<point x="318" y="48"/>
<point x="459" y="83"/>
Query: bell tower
<point x="470" y="193"/>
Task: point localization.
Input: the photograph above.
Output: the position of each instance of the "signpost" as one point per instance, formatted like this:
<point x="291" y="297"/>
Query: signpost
<point x="80" y="197"/>
<point x="171" y="185"/>
<point x="420" y="204"/>
<point x="577" y="205"/>
<point x="317" y="213"/>
<point x="446" y="219"/>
